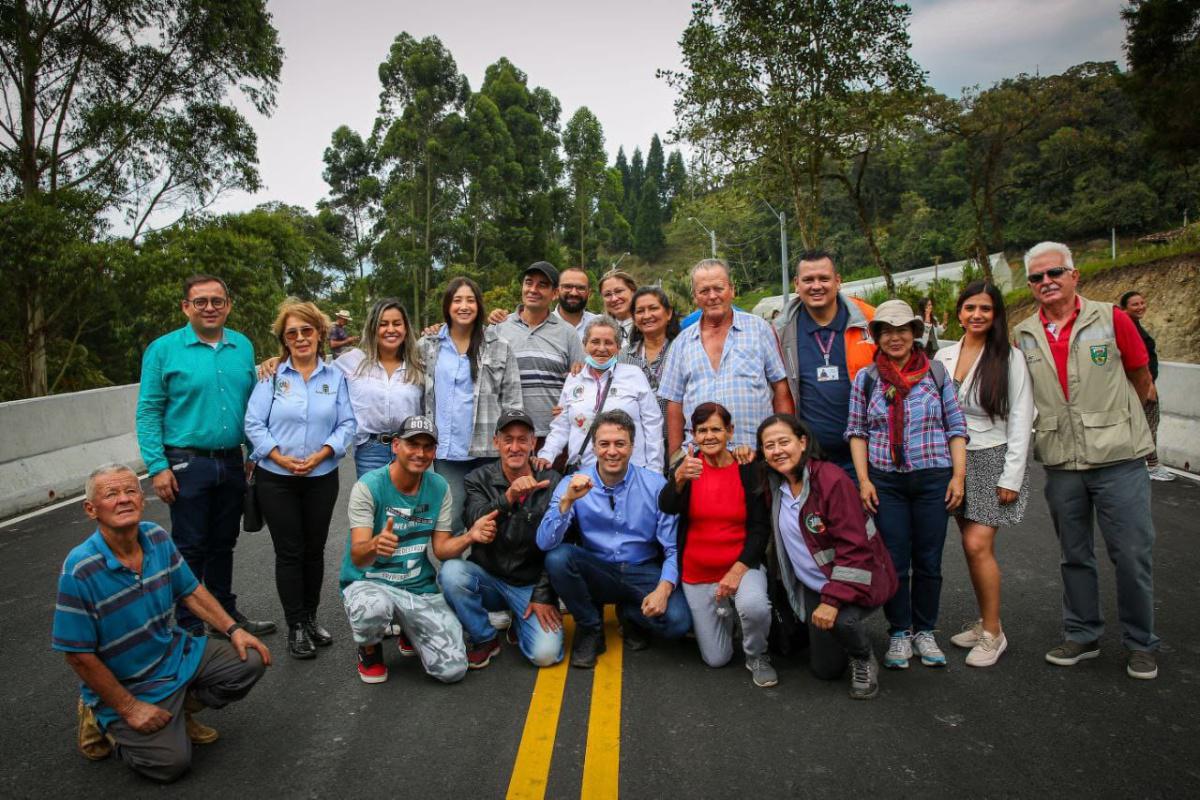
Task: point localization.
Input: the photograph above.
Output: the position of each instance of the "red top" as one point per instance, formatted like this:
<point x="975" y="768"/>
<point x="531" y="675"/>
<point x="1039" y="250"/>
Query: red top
<point x="716" y="524"/>
<point x="1133" y="350"/>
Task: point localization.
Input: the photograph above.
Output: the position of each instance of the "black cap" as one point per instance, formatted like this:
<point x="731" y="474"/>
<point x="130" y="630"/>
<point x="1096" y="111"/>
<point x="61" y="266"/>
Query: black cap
<point x="544" y="267"/>
<point x="514" y="415"/>
<point x="417" y="425"/>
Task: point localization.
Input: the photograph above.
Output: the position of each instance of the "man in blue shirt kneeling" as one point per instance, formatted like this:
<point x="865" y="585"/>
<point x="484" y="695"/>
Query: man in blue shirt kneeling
<point x="626" y="551"/>
<point x="142" y="675"/>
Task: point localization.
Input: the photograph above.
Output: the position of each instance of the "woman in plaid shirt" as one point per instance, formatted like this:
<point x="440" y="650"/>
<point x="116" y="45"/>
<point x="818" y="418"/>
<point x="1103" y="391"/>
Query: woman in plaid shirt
<point x="908" y="439"/>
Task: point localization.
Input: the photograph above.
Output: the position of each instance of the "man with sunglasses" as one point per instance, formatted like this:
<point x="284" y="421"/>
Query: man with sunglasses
<point x="195" y="384"/>
<point x="1090" y="377"/>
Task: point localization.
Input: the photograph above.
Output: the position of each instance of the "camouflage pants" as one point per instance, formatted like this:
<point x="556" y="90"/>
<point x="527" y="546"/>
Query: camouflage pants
<point x="426" y="619"/>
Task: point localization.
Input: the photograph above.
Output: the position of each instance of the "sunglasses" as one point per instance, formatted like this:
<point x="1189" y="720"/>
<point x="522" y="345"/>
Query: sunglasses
<point x="292" y="334"/>
<point x="1053" y="273"/>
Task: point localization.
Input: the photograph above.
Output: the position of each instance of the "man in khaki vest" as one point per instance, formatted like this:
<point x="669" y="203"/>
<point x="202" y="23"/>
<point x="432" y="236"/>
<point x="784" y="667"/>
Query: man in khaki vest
<point x="1090" y="377"/>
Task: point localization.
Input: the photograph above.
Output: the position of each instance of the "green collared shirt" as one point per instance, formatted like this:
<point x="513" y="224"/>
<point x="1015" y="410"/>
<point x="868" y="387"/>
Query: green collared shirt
<point x="193" y="394"/>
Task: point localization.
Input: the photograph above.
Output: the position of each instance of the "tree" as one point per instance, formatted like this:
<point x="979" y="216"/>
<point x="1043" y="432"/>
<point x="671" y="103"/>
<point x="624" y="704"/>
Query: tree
<point x="633" y="189"/>
<point x="648" y="232"/>
<point x="353" y="189"/>
<point x="675" y="185"/>
<point x="491" y="174"/>
<point x="622" y="166"/>
<point x="1162" y="40"/>
<point x="126" y="103"/>
<point x="583" y="146"/>
<point x="656" y="166"/>
<point x="769" y="83"/>
<point x="612" y="229"/>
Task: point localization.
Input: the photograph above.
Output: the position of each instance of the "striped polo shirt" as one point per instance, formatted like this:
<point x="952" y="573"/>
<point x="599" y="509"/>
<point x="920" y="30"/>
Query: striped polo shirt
<point x="127" y="619"/>
<point x="544" y="354"/>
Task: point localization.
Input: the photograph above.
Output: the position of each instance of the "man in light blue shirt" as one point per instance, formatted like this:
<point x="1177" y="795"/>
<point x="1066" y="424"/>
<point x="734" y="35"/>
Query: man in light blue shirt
<point x="195" y="384"/>
<point x="626" y="549"/>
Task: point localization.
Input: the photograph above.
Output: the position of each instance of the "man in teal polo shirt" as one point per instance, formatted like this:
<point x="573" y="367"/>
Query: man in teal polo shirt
<point x="196" y="382"/>
<point x="141" y="676"/>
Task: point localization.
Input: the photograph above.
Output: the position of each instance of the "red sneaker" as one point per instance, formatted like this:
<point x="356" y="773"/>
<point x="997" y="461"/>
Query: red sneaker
<point x="480" y="655"/>
<point x="370" y="665"/>
<point x="405" y="646"/>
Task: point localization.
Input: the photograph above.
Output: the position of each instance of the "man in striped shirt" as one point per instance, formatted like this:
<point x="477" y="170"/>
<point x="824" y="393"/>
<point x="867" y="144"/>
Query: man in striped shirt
<point x="114" y="618"/>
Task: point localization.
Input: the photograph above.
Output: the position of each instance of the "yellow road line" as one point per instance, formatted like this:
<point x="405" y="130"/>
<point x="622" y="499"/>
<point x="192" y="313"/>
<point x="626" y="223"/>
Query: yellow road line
<point x="602" y="761"/>
<point x="532" y="768"/>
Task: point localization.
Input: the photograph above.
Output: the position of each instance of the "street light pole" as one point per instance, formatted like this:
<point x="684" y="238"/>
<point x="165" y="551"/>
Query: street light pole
<point x="618" y="261"/>
<point x="783" y="253"/>
<point x="712" y="235"/>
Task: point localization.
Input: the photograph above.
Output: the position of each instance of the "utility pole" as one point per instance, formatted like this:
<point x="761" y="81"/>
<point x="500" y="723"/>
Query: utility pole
<point x="783" y="253"/>
<point x="712" y="236"/>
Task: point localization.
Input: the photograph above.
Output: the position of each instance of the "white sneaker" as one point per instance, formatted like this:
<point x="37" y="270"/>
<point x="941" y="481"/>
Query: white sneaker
<point x="926" y="646"/>
<point x="988" y="651"/>
<point x="500" y="620"/>
<point x="1161" y="473"/>
<point x="899" y="651"/>
<point x="968" y="637"/>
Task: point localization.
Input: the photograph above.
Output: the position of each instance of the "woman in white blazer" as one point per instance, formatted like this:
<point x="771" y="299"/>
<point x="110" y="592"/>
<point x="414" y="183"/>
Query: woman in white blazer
<point x="995" y="395"/>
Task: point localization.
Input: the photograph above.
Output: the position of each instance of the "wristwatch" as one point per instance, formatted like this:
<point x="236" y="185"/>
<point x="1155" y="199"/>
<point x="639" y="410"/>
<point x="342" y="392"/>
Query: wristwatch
<point x="237" y="626"/>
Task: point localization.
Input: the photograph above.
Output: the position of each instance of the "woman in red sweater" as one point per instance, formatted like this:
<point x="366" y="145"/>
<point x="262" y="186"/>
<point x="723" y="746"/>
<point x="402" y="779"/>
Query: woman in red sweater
<point x="721" y="539"/>
<point x="835" y="570"/>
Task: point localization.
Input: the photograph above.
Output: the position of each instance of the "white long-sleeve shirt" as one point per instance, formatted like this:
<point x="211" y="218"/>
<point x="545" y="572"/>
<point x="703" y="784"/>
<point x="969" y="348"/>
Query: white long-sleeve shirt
<point x="630" y="392"/>
<point x="1016" y="430"/>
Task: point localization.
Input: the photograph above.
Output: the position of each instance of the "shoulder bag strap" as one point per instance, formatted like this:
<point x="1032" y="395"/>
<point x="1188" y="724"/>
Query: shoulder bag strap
<point x="592" y="429"/>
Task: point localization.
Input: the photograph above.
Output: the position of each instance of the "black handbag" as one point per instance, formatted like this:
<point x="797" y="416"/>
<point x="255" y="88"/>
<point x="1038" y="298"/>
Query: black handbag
<point x="252" y="518"/>
<point x="574" y="461"/>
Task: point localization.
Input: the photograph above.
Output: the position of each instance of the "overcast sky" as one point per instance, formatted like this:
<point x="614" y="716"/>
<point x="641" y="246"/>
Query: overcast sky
<point x="604" y="56"/>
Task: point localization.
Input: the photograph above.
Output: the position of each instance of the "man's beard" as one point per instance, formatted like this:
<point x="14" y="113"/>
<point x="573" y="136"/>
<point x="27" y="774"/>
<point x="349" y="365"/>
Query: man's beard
<point x="572" y="304"/>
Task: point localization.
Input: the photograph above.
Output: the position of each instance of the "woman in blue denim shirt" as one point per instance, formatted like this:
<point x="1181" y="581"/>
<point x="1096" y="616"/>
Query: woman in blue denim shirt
<point x="908" y="439"/>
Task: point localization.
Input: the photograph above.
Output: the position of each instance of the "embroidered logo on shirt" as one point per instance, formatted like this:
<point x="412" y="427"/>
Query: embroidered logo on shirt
<point x="283" y="387"/>
<point x="1099" y="354"/>
<point x="581" y="420"/>
<point x="814" y="523"/>
<point x="577" y="393"/>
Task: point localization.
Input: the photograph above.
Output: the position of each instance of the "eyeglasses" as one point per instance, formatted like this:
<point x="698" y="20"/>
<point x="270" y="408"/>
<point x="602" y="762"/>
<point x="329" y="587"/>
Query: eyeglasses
<point x="1054" y="273"/>
<point x="611" y="293"/>
<point x="303" y="332"/>
<point x="201" y="303"/>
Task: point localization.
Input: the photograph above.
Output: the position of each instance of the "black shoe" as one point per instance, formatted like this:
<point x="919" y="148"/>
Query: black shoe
<point x="320" y="637"/>
<point x="255" y="627"/>
<point x="299" y="643"/>
<point x="636" y="637"/>
<point x="589" y="643"/>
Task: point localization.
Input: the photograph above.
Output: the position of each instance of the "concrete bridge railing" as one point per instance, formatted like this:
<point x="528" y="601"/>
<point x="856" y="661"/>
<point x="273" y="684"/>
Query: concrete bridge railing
<point x="49" y="444"/>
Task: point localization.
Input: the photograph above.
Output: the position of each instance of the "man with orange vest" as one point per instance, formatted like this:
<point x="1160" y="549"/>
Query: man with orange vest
<point x="824" y="338"/>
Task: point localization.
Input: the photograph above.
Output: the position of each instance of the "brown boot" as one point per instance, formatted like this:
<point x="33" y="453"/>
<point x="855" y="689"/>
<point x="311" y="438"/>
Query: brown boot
<point x="197" y="731"/>
<point x="94" y="745"/>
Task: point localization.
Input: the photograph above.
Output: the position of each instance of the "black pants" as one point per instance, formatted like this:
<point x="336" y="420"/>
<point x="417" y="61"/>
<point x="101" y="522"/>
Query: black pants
<point x="828" y="650"/>
<point x="297" y="511"/>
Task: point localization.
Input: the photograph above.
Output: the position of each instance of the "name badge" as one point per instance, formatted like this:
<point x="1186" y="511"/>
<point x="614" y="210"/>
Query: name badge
<point x="829" y="372"/>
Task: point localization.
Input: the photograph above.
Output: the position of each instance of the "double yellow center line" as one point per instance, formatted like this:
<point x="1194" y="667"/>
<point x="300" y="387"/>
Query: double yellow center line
<point x="601" y="763"/>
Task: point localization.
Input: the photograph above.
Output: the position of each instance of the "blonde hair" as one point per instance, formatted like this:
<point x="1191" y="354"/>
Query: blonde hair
<point x="305" y="311"/>
<point x="414" y="367"/>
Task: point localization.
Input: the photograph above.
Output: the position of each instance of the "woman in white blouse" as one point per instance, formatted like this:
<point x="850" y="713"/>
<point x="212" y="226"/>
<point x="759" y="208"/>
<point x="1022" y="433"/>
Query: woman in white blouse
<point x="995" y="395"/>
<point x="584" y="396"/>
<point x="386" y="381"/>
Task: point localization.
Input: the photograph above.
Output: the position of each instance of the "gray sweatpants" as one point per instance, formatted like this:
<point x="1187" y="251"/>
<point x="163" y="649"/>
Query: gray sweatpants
<point x="1118" y="498"/>
<point x="714" y="634"/>
<point x="426" y="619"/>
<point x="167" y="753"/>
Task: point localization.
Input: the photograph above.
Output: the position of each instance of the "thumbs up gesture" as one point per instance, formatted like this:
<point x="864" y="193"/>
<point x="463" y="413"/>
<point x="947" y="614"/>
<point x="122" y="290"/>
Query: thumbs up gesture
<point x="484" y="529"/>
<point x="387" y="541"/>
<point x="689" y="468"/>
<point x="524" y="485"/>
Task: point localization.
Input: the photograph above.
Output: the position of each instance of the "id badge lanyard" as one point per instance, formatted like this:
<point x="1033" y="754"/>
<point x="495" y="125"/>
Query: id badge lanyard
<point x="823" y="344"/>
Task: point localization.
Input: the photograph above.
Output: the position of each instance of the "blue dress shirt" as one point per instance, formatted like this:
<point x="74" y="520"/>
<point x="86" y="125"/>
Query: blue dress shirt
<point x="454" y="393"/>
<point x="621" y="524"/>
<point x="305" y="416"/>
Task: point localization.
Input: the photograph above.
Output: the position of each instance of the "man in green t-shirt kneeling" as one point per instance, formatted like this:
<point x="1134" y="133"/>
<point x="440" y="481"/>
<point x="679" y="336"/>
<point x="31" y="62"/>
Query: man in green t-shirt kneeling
<point x="386" y="574"/>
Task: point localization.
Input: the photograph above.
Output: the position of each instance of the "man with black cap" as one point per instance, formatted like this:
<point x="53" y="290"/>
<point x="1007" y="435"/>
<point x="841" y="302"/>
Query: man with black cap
<point x="505" y="572"/>
<point x="394" y="513"/>
<point x="545" y="345"/>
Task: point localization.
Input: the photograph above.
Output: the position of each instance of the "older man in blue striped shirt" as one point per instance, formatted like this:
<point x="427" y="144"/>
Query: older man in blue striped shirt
<point x="142" y="675"/>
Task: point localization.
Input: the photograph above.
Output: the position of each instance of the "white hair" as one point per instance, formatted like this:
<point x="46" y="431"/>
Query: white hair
<point x="602" y="321"/>
<point x="1042" y="248"/>
<point x="99" y="472"/>
<point x="711" y="263"/>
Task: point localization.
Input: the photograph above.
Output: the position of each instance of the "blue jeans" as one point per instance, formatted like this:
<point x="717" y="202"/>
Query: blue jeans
<point x="370" y="455"/>
<point x="454" y="472"/>
<point x="206" y="519"/>
<point x="472" y="592"/>
<point x="585" y="581"/>
<point x="912" y="519"/>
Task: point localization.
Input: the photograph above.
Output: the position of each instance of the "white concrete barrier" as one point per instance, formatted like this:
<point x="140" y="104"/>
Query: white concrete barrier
<point x="50" y="444"/>
<point x="1179" y="430"/>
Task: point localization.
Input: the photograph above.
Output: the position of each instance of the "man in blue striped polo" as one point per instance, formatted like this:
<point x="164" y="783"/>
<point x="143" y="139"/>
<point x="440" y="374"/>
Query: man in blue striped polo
<point x="142" y="675"/>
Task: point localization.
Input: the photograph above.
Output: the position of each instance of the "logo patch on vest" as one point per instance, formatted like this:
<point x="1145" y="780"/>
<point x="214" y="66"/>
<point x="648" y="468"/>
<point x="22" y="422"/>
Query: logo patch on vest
<point x="1099" y="354"/>
<point x="814" y="523"/>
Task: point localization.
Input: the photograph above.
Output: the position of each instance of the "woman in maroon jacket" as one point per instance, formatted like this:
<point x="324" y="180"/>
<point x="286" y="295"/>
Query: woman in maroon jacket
<point x="833" y="567"/>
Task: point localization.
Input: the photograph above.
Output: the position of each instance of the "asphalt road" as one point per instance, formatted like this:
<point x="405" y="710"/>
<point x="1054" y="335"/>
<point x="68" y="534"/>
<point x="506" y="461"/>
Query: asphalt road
<point x="311" y="729"/>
